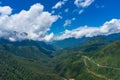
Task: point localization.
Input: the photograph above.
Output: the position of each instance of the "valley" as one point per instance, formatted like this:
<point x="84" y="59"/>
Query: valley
<point x="59" y="40"/>
<point x="95" y="59"/>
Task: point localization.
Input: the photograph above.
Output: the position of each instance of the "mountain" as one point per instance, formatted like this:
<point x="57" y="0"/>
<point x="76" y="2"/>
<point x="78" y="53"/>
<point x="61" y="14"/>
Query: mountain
<point x="72" y="42"/>
<point x="109" y="55"/>
<point x="89" y="47"/>
<point x="42" y="46"/>
<point x="107" y="60"/>
<point x="29" y="52"/>
<point x="95" y="58"/>
<point x="102" y="64"/>
<point x="16" y="68"/>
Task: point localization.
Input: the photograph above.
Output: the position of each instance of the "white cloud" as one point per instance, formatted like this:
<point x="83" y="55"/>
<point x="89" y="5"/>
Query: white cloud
<point x="49" y="37"/>
<point x="81" y="11"/>
<point x="83" y="3"/>
<point x="59" y="4"/>
<point x="67" y="23"/>
<point x="32" y="24"/>
<point x="6" y="10"/>
<point x="109" y="27"/>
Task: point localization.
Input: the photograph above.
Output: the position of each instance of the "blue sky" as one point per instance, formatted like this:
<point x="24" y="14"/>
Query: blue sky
<point x="71" y="15"/>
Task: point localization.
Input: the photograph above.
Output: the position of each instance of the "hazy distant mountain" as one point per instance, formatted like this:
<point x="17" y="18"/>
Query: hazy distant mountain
<point x="72" y="42"/>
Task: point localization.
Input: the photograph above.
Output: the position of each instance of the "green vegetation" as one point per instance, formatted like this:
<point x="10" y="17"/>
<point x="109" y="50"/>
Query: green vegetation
<point x="15" y="68"/>
<point x="102" y="64"/>
<point x="96" y="59"/>
<point x="26" y="62"/>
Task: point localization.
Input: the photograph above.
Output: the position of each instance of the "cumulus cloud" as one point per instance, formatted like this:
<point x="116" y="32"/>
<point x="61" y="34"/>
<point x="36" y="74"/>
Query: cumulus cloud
<point x="83" y="3"/>
<point x="109" y="27"/>
<point x="32" y="24"/>
<point x="49" y="37"/>
<point x="59" y="4"/>
<point x="6" y="10"/>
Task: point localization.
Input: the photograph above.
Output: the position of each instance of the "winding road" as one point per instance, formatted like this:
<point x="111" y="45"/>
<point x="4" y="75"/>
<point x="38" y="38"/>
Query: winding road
<point x="93" y="73"/>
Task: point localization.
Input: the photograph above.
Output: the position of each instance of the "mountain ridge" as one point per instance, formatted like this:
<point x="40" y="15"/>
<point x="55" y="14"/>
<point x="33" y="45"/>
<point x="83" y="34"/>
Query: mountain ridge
<point x="73" y="42"/>
<point x="66" y="63"/>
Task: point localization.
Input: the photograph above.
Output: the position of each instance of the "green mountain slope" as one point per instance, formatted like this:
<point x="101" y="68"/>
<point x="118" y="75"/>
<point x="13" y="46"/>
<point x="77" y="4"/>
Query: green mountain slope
<point x="109" y="55"/>
<point x="15" y="68"/>
<point x="103" y="64"/>
<point x="96" y="59"/>
<point x="42" y="46"/>
<point x="29" y="52"/>
<point x="89" y="47"/>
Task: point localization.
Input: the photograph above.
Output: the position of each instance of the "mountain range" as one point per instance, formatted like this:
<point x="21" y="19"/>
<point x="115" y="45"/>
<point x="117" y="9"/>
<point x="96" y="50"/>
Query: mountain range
<point x="94" y="58"/>
<point x="73" y="42"/>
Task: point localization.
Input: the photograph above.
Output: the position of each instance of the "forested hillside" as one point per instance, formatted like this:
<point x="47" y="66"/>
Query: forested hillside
<point x="16" y="68"/>
<point x="96" y="59"/>
<point x="102" y="64"/>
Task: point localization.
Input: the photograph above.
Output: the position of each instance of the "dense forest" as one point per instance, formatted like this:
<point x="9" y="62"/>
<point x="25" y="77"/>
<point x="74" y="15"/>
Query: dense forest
<point x="96" y="58"/>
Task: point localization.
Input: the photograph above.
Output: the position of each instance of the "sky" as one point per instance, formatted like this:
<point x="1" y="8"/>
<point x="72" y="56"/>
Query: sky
<point x="48" y="20"/>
